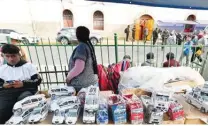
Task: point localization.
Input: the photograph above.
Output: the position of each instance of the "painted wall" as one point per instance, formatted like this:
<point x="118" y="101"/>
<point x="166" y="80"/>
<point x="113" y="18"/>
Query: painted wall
<point x="44" y="17"/>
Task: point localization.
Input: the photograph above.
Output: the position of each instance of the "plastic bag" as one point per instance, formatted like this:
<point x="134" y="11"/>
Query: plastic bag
<point x="151" y="78"/>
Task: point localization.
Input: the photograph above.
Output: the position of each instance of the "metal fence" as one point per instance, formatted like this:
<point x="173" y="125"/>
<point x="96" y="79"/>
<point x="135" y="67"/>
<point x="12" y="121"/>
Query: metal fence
<point x="52" y="59"/>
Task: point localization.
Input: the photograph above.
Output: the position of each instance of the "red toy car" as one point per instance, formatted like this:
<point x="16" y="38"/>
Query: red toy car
<point x="175" y="111"/>
<point x="134" y="108"/>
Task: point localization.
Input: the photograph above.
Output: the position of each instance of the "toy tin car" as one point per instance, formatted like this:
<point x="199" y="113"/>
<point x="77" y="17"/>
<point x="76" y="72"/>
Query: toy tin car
<point x="199" y="98"/>
<point x="152" y="115"/>
<point x="39" y="114"/>
<point x="29" y="102"/>
<point x="117" y="109"/>
<point x="71" y="116"/>
<point x="81" y="95"/>
<point x="20" y="117"/>
<point x="134" y="109"/>
<point x="62" y="90"/>
<point x="91" y="104"/>
<point x="58" y="117"/>
<point x="102" y="114"/>
<point x="65" y="103"/>
<point x="161" y="100"/>
<point x="175" y="111"/>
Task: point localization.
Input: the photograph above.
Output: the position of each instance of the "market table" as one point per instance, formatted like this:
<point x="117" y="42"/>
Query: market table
<point x="192" y="115"/>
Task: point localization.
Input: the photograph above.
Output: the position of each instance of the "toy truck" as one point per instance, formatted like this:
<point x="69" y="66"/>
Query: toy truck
<point x="102" y="114"/>
<point x="117" y="107"/>
<point x="175" y="111"/>
<point x="199" y="98"/>
<point x="134" y="109"/>
<point x="152" y="115"/>
<point x="91" y="104"/>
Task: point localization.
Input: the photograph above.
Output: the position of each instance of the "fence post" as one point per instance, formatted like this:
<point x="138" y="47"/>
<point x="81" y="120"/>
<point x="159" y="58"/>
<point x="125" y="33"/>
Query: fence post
<point x="116" y="47"/>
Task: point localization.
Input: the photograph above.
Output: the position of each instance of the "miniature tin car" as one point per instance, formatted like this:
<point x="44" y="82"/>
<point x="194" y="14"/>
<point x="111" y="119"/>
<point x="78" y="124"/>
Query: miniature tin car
<point x="58" y="117"/>
<point x="71" y="116"/>
<point x="81" y="95"/>
<point x="175" y="111"/>
<point x="65" y="103"/>
<point x="29" y="102"/>
<point x="19" y="117"/>
<point x="152" y="115"/>
<point x="102" y="114"/>
<point x="38" y="114"/>
<point x="161" y="100"/>
<point x="91" y="104"/>
<point x="118" y="109"/>
<point x="62" y="90"/>
<point x="199" y="98"/>
<point x="134" y="109"/>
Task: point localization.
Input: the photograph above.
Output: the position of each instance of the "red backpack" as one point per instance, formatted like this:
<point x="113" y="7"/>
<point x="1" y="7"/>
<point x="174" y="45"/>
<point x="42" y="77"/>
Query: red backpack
<point x="109" y="80"/>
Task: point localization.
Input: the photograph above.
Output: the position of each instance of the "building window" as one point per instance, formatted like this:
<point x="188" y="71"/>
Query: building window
<point x="68" y="18"/>
<point x="98" y="21"/>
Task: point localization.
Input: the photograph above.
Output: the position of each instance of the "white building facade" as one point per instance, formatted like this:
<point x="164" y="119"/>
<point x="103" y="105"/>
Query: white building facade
<point x="45" y="17"/>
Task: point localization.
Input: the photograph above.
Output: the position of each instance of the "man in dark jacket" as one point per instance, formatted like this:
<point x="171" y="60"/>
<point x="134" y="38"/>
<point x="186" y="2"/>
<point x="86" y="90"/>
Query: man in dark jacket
<point x="155" y="36"/>
<point x="171" y="62"/>
<point x="127" y="30"/>
<point x="18" y="79"/>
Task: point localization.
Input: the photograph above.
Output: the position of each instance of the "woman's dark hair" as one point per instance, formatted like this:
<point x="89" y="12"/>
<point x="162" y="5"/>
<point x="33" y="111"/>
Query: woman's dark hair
<point x="83" y="34"/>
<point x="170" y="56"/>
<point x="10" y="49"/>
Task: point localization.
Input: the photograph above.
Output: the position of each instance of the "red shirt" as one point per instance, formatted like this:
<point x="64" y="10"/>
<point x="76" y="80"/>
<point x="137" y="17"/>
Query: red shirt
<point x="171" y="63"/>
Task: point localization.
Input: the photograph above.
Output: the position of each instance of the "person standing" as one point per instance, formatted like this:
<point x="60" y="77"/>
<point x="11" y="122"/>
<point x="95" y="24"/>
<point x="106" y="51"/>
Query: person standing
<point x="82" y="63"/>
<point x="155" y="36"/>
<point x="186" y="51"/>
<point x="171" y="62"/>
<point x="165" y="36"/>
<point x="133" y="33"/>
<point x="146" y="32"/>
<point x="127" y="31"/>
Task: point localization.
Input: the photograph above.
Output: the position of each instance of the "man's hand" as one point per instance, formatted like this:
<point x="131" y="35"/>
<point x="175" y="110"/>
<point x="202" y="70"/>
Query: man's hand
<point x="7" y="85"/>
<point x="17" y="84"/>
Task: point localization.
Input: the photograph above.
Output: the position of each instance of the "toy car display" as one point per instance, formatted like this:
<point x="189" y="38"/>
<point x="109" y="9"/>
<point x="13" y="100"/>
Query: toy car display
<point x="20" y="117"/>
<point x="117" y="108"/>
<point x="65" y="103"/>
<point x="29" y="102"/>
<point x="61" y="90"/>
<point x="71" y="116"/>
<point x="39" y="114"/>
<point x="175" y="111"/>
<point x="152" y="115"/>
<point x="58" y="117"/>
<point x="134" y="109"/>
<point x="199" y="98"/>
<point x="91" y="104"/>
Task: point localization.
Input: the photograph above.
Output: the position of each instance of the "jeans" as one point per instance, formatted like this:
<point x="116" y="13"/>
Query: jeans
<point x="7" y="101"/>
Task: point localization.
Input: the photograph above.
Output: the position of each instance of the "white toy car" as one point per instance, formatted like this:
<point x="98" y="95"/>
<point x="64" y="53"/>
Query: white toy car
<point x="62" y="91"/>
<point x="65" y="103"/>
<point x="91" y="104"/>
<point x="199" y="98"/>
<point x="19" y="117"/>
<point x="71" y="116"/>
<point x="58" y="117"/>
<point x="29" y="102"/>
<point x="39" y="114"/>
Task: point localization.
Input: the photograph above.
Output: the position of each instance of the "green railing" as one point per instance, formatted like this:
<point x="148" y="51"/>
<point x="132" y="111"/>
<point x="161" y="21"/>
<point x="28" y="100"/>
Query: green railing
<point x="52" y="59"/>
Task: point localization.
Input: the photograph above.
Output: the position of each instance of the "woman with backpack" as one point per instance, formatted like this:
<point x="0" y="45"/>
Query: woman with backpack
<point x="82" y="64"/>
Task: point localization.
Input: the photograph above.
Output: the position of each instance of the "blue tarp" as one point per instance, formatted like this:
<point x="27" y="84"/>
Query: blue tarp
<point x="184" y="4"/>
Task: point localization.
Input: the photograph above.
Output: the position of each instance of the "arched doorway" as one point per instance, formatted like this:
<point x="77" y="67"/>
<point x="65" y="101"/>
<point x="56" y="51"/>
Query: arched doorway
<point x="98" y="20"/>
<point x="145" y="21"/>
<point x="189" y="27"/>
<point x="68" y="18"/>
